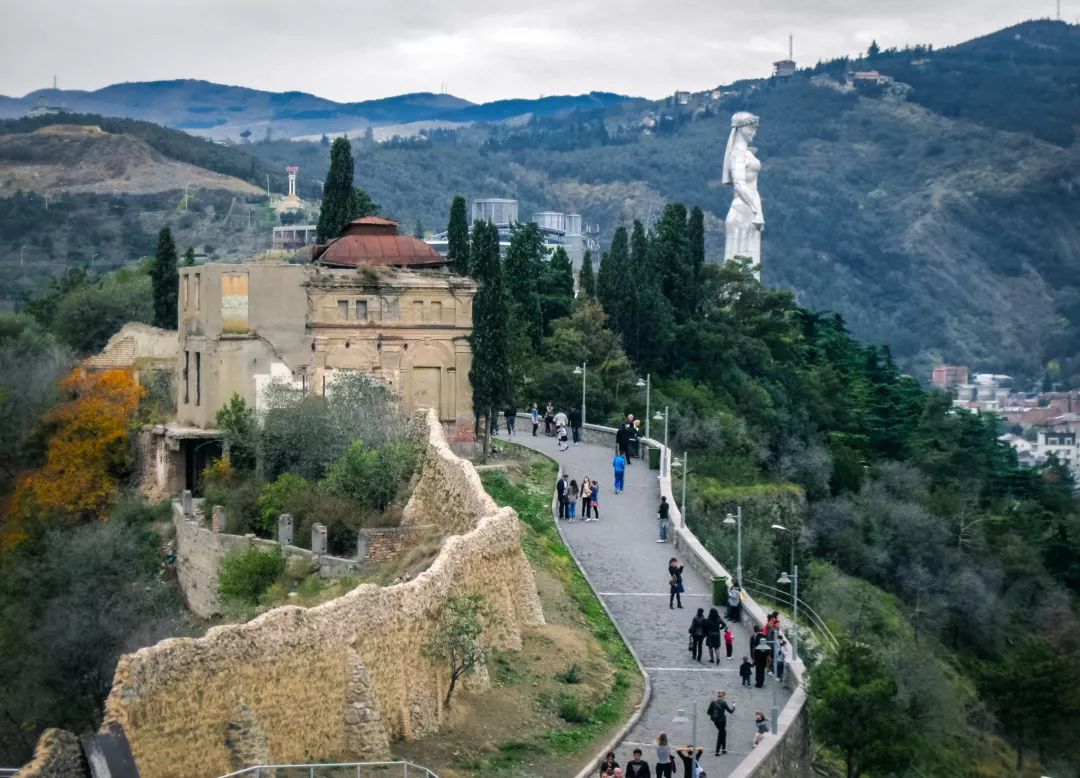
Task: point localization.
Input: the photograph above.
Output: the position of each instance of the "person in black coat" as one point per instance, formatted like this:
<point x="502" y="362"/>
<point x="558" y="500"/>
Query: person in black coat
<point x="675" y="568"/>
<point x="761" y="660"/>
<point x="698" y="628"/>
<point x="717" y="713"/>
<point x="575" y="424"/>
<point x="713" y="627"/>
<point x="561" y="487"/>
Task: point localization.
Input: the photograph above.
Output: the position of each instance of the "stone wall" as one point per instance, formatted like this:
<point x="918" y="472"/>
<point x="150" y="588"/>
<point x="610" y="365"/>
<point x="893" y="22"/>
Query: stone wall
<point x="377" y="546"/>
<point x="57" y="755"/>
<point x="338" y="681"/>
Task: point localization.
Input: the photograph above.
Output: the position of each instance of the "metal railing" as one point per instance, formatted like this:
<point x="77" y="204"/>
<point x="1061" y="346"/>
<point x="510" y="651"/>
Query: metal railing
<point x="336" y="770"/>
<point x="5" y="771"/>
<point x="817" y="624"/>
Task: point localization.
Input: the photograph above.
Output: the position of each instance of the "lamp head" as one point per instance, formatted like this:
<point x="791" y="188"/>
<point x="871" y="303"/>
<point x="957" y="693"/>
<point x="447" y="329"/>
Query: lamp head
<point x="658" y="417"/>
<point x="780" y="527"/>
<point x="680" y="717"/>
<point x="577" y="371"/>
<point x="640" y="382"/>
<point x="783" y="579"/>
<point x="729" y="519"/>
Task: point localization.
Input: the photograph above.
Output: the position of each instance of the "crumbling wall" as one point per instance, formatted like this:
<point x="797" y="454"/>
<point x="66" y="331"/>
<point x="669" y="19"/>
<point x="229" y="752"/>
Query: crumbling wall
<point x="57" y="755"/>
<point x="338" y="681"/>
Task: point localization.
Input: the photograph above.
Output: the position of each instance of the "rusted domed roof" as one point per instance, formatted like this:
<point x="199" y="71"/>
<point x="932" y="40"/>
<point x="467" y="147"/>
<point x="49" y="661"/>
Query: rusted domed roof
<point x="371" y="240"/>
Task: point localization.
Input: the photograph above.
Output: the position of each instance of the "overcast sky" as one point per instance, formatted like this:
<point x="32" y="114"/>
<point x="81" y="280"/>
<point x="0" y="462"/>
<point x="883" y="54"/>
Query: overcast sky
<point x="482" y="49"/>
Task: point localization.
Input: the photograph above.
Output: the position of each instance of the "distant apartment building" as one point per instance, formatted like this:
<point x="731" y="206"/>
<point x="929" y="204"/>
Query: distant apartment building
<point x="292" y="237"/>
<point x="985" y="392"/>
<point x="949" y="376"/>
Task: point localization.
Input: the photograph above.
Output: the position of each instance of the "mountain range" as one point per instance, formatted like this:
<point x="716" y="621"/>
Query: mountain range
<point x="933" y="206"/>
<point x="225" y="112"/>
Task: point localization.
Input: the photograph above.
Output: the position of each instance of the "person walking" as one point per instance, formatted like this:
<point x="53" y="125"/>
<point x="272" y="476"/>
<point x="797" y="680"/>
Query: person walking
<point x="729" y="641"/>
<point x="549" y="419"/>
<point x="761" y="660"/>
<point x="718" y="712"/>
<point x="714" y="626"/>
<point x="561" y="419"/>
<point x="511" y="416"/>
<point x="746" y="669"/>
<point x="594" y="501"/>
<point x="535" y="413"/>
<point x="575" y="425"/>
<point x="560" y="489"/>
<point x="622" y="437"/>
<point x="734" y="602"/>
<point x="675" y="569"/>
<point x="572" y="493"/>
<point x="762" y="727"/>
<point x="619" y="465"/>
<point x="561" y="431"/>
<point x="781" y="658"/>
<point x="662" y="517"/>
<point x="698" y="627"/>
<point x="586" y="498"/>
<point x="632" y="440"/>
<point x="665" y="760"/>
<point x="637" y="767"/>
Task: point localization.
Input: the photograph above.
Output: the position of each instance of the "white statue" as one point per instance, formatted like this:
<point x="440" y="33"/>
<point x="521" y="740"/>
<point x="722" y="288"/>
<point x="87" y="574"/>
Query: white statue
<point x="745" y="220"/>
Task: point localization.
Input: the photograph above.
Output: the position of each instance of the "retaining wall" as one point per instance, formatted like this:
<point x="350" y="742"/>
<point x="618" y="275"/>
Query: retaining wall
<point x="338" y="681"/>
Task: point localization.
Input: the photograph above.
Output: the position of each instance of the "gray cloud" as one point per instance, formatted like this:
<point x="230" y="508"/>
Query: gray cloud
<point x="482" y="50"/>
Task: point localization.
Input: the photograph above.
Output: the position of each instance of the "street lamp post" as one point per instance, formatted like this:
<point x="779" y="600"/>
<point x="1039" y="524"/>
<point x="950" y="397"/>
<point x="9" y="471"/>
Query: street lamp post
<point x="685" y="465"/>
<point x="736" y="519"/>
<point x="647" y="383"/>
<point x="794" y="581"/>
<point x="664" y="419"/>
<point x="581" y="372"/>
<point x="681" y="718"/>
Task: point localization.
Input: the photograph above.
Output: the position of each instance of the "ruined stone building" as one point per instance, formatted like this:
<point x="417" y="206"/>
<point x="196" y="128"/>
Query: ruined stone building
<point x="372" y="300"/>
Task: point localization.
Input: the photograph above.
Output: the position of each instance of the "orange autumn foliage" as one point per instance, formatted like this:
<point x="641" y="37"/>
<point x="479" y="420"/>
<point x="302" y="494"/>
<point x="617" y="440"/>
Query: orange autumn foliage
<point x="87" y="453"/>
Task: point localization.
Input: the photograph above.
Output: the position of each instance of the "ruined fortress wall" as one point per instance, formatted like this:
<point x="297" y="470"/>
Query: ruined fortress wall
<point x="337" y="681"/>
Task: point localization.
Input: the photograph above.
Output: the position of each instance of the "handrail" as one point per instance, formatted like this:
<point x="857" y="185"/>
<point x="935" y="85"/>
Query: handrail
<point x="783" y="597"/>
<point x="9" y="770"/>
<point x="311" y="768"/>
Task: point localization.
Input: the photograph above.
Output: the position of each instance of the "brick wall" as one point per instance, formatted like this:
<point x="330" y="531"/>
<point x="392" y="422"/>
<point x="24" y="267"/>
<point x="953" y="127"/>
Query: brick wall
<point x="377" y="546"/>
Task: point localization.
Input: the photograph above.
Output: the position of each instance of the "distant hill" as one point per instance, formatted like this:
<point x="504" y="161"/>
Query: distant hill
<point x="221" y="111"/>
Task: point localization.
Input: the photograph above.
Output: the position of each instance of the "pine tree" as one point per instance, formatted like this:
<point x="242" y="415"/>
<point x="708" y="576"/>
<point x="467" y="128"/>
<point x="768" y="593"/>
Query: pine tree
<point x="557" y="284"/>
<point x="337" y="199"/>
<point x="165" y="281"/>
<point x="490" y="371"/>
<point x="418" y="230"/>
<point x="619" y="291"/>
<point x="873" y="50"/>
<point x="671" y="247"/>
<point x="639" y="249"/>
<point x="586" y="278"/>
<point x="189" y="257"/>
<point x="524" y="268"/>
<point x="458" y="237"/>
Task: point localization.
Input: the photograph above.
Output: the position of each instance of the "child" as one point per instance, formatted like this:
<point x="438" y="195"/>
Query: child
<point x="563" y="445"/>
<point x="594" y="503"/>
<point x="729" y="636"/>
<point x="619" y="466"/>
<point x="762" y="727"/>
<point x="571" y="496"/>
<point x="586" y="498"/>
<point x="746" y="669"/>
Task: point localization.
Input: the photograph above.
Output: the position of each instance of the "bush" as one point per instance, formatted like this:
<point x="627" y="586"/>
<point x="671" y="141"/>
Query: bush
<point x="246" y="575"/>
<point x="372" y="476"/>
<point x="343" y="518"/>
<point x="274" y="496"/>
<point x="571" y="709"/>
<point x="240" y="499"/>
<point x="571" y="675"/>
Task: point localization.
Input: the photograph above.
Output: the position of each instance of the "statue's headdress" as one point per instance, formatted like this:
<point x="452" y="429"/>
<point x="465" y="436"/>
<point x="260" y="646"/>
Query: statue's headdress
<point x="740" y="119"/>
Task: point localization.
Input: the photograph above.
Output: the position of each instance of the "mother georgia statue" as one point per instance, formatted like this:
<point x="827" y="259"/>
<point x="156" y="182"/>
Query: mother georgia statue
<point x="745" y="221"/>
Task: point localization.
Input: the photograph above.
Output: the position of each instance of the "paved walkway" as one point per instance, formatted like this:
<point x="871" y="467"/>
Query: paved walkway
<point x="629" y="570"/>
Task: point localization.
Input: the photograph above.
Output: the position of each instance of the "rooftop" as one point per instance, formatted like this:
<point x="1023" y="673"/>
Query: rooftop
<point x="373" y="241"/>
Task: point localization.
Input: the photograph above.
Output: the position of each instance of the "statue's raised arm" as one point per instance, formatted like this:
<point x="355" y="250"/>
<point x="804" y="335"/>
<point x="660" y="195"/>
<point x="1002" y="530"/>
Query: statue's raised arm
<point x="745" y="220"/>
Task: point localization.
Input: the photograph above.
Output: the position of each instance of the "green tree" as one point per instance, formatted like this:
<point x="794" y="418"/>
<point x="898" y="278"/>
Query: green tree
<point x="241" y="438"/>
<point x="524" y="271"/>
<point x="873" y="50"/>
<point x="557" y="288"/>
<point x="246" y="574"/>
<point x="372" y="476"/>
<point x="696" y="231"/>
<point x="854" y="709"/>
<point x="672" y="260"/>
<point x="456" y="638"/>
<point x="587" y="278"/>
<point x="490" y="372"/>
<point x="341" y="202"/>
<point x="165" y="281"/>
<point x="275" y="496"/>
<point x="189" y="257"/>
<point x="88" y="316"/>
<point x="457" y="233"/>
<point x="418" y="230"/>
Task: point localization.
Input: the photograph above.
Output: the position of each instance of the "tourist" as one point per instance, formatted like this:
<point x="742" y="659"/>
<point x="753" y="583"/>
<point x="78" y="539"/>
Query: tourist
<point x="665" y="760"/>
<point x="549" y="419"/>
<point x="619" y="465"/>
<point x="690" y="758"/>
<point x="511" y="416"/>
<point x="586" y="498"/>
<point x="609" y="764"/>
<point x="594" y="501"/>
<point x="729" y="641"/>
<point x="698" y="626"/>
<point x="713" y="627"/>
<point x="718" y="711"/>
<point x="637" y="767"/>
<point x="675" y="568"/>
<point x="623" y="436"/>
<point x="662" y="516"/>
<point x="745" y="671"/>
<point x="575" y="425"/>
<point x="561" y="420"/>
<point x="762" y="727"/>
<point x="761" y="660"/>
<point x="563" y="445"/>
<point x="535" y="413"/>
<point x="560" y="489"/>
<point x="635" y="434"/>
<point x="734" y="602"/>
<point x="781" y="658"/>
<point x="754" y="639"/>
<point x="571" y="499"/>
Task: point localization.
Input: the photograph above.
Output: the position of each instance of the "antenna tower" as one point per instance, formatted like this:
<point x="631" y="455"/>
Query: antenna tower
<point x="791" y="45"/>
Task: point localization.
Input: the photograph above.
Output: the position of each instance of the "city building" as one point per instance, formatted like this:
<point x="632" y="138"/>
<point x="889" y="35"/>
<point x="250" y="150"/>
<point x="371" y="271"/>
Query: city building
<point x="371" y="301"/>
<point x="949" y="376"/>
<point x="785" y="68"/>
<point x="869" y="77"/>
<point x="501" y="213"/>
<point x="293" y="237"/>
<point x="986" y="392"/>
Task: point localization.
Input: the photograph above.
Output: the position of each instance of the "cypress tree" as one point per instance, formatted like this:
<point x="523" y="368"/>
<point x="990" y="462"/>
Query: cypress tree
<point x="672" y="259"/>
<point x="189" y="257"/>
<point x="697" y="242"/>
<point x="337" y="200"/>
<point x="639" y="249"/>
<point x="524" y="269"/>
<point x="490" y="371"/>
<point x="618" y="294"/>
<point x="458" y="237"/>
<point x="586" y="278"/>
<point x="165" y="281"/>
<point x="557" y="282"/>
